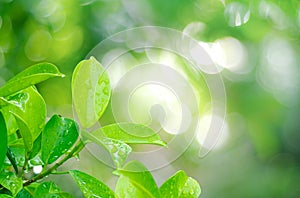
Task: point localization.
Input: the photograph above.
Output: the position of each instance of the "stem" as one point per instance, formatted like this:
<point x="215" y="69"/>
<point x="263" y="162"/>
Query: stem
<point x="43" y="174"/>
<point x="25" y="165"/>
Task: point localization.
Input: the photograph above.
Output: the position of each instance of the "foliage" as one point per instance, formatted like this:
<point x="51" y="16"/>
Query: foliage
<point x="29" y="141"/>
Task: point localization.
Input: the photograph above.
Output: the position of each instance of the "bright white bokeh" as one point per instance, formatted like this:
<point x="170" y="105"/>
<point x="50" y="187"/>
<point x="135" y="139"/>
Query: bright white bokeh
<point x="159" y="101"/>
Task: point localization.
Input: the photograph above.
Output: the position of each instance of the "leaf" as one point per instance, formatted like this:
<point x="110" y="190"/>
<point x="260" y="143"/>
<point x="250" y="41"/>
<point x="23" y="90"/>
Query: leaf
<point x="140" y="177"/>
<point x="29" y="110"/>
<point x="12" y="159"/>
<point x="58" y="136"/>
<point x="24" y="194"/>
<point x="130" y="133"/>
<point x="18" y="154"/>
<point x="10" y="181"/>
<point x="36" y="147"/>
<point x="3" y="138"/>
<point x="30" y="76"/>
<point x="5" y="196"/>
<point x="118" y="150"/>
<point x="90" y="186"/>
<point x="49" y="190"/>
<point x="10" y="121"/>
<point x="180" y="185"/>
<point x="126" y="189"/>
<point x="90" y="90"/>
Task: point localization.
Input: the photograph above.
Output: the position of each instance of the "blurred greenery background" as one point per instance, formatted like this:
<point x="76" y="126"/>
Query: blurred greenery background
<point x="256" y="42"/>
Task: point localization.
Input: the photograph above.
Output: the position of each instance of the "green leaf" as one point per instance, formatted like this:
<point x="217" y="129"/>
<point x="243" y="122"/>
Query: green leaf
<point x="130" y="133"/>
<point x="24" y="194"/>
<point x="18" y="155"/>
<point x="5" y="196"/>
<point x="118" y="150"/>
<point x="29" y="110"/>
<point x="180" y="185"/>
<point x="90" y="186"/>
<point x="49" y="190"/>
<point x="10" y="121"/>
<point x="140" y="177"/>
<point x="126" y="189"/>
<point x="11" y="157"/>
<point x="3" y="138"/>
<point x="10" y="181"/>
<point x="58" y="136"/>
<point x="91" y="91"/>
<point x="30" y="76"/>
<point x="36" y="147"/>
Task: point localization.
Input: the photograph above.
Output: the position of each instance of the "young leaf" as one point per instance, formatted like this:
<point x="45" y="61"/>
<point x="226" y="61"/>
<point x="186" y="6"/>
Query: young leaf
<point x="3" y="138"/>
<point x="30" y="76"/>
<point x="130" y="133"/>
<point x="10" y="181"/>
<point x="118" y="150"/>
<point x="49" y="190"/>
<point x="90" y="186"/>
<point x="180" y="185"/>
<point x="91" y="91"/>
<point x="29" y="110"/>
<point x="141" y="179"/>
<point x="191" y="189"/>
<point x="126" y="189"/>
<point x="58" y="136"/>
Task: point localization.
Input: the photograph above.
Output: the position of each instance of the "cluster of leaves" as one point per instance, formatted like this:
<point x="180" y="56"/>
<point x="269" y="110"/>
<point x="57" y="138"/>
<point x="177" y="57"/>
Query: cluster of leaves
<point x="28" y="141"/>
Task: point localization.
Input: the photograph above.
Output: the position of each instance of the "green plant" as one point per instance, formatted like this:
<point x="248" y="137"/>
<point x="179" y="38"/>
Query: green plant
<point x="27" y="140"/>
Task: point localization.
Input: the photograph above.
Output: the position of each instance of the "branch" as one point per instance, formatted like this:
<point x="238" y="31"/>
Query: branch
<point x="43" y="174"/>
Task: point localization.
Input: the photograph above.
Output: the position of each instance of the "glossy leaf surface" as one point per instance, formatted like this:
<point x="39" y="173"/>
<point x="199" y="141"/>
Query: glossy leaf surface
<point x="58" y="136"/>
<point x="118" y="150"/>
<point x="140" y="177"/>
<point x="30" y="76"/>
<point x="10" y="181"/>
<point x="91" y="91"/>
<point x="90" y="186"/>
<point x="130" y="133"/>
<point x="29" y="110"/>
<point x="49" y="190"/>
<point x="180" y="185"/>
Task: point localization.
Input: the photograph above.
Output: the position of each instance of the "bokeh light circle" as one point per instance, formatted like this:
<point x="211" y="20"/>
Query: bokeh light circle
<point x="159" y="93"/>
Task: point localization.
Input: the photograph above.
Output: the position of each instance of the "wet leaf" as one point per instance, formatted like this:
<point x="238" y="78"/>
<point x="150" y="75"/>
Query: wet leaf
<point x="126" y="189"/>
<point x="3" y="138"/>
<point x="10" y="181"/>
<point x="50" y="190"/>
<point x="29" y="110"/>
<point x="18" y="154"/>
<point x="180" y="185"/>
<point x="90" y="186"/>
<point x="130" y="133"/>
<point x="58" y="136"/>
<point x="140" y="178"/>
<point x="91" y="91"/>
<point x="30" y="76"/>
<point x="118" y="150"/>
